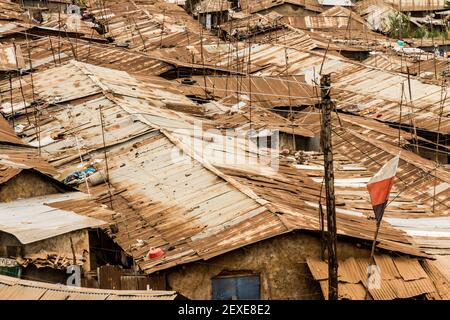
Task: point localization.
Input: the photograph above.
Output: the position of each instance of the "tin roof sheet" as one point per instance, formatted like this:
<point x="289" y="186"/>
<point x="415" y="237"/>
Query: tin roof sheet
<point x="208" y="6"/>
<point x="161" y="209"/>
<point x="438" y="270"/>
<point x="149" y="26"/>
<point x="14" y="159"/>
<point x="253" y="6"/>
<point x="359" y="89"/>
<point x="261" y="121"/>
<point x="266" y="93"/>
<point x="334" y="18"/>
<point x="17" y="289"/>
<point x="11" y="58"/>
<point x="10" y="10"/>
<point x="343" y="3"/>
<point x="7" y="134"/>
<point x="35" y="219"/>
<point x="353" y="278"/>
<point x="70" y="23"/>
<point x="42" y="53"/>
<point x="8" y="28"/>
<point x="417" y="5"/>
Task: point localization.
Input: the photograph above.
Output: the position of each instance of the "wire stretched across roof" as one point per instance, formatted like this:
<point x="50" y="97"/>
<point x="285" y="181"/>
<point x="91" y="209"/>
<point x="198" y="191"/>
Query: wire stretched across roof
<point x="196" y="206"/>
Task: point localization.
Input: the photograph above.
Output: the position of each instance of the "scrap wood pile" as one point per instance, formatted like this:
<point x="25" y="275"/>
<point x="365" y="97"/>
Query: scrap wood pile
<point x="44" y="259"/>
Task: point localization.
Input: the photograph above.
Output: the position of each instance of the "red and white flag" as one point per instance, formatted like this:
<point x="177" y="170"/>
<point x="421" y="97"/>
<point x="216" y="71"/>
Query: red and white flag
<point x="380" y="187"/>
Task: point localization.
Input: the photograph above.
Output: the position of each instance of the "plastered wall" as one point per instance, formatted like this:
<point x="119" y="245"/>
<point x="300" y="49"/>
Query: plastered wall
<point x="280" y="261"/>
<point x="26" y="185"/>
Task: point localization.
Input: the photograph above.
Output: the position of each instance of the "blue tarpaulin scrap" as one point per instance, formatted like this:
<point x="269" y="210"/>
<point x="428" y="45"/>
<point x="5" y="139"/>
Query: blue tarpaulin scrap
<point x="79" y="175"/>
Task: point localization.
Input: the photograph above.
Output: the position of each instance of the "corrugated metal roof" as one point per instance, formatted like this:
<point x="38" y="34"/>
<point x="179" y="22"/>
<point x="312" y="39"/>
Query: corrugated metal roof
<point x="17" y="289"/>
<point x="262" y="120"/>
<point x="267" y="93"/>
<point x="349" y="271"/>
<point x="409" y="270"/>
<point x="351" y="194"/>
<point x="177" y="219"/>
<point x="197" y="228"/>
<point x="12" y="18"/>
<point x="8" y="28"/>
<point x="35" y="219"/>
<point x="393" y="283"/>
<point x="409" y="289"/>
<point x="376" y="94"/>
<point x="442" y="263"/>
<point x="310" y="119"/>
<point x="63" y="22"/>
<point x="253" y="6"/>
<point x="359" y="89"/>
<point x="318" y="268"/>
<point x="17" y="293"/>
<point x="14" y="159"/>
<point x="331" y="19"/>
<point x="418" y="5"/>
<point x="387" y="267"/>
<point x="207" y="6"/>
<point x="7" y="134"/>
<point x="343" y="3"/>
<point x="390" y="62"/>
<point x="54" y="87"/>
<point x="418" y="184"/>
<point x="149" y="26"/>
<point x="295" y="36"/>
<point x="348" y="291"/>
<point x="225" y="205"/>
<point x="10" y="10"/>
<point x="433" y="68"/>
<point x="251" y="24"/>
<point x="161" y="208"/>
<point x="11" y="58"/>
<point x="293" y="193"/>
<point x="377" y="14"/>
<point x="439" y="272"/>
<point x="43" y="56"/>
<point x="386" y="291"/>
<point x="416" y="174"/>
<point x="151" y="63"/>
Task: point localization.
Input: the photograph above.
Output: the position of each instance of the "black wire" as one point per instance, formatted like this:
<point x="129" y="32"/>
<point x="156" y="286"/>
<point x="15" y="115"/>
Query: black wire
<point x="429" y="173"/>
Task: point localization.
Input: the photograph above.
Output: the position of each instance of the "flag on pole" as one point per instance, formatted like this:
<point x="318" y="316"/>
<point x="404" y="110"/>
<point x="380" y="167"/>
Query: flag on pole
<point x="380" y="187"/>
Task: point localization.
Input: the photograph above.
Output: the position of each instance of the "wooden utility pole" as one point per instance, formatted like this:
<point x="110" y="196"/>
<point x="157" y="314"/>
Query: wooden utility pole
<point x="329" y="186"/>
<point x="106" y="157"/>
<point x="413" y="120"/>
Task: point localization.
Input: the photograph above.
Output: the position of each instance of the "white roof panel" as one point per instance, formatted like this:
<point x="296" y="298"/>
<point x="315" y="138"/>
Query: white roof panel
<point x="34" y="219"/>
<point x="342" y="3"/>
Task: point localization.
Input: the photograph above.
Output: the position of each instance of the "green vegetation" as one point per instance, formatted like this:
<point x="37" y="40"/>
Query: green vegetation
<point x="400" y="27"/>
<point x="437" y="34"/>
<point x="419" y="33"/>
